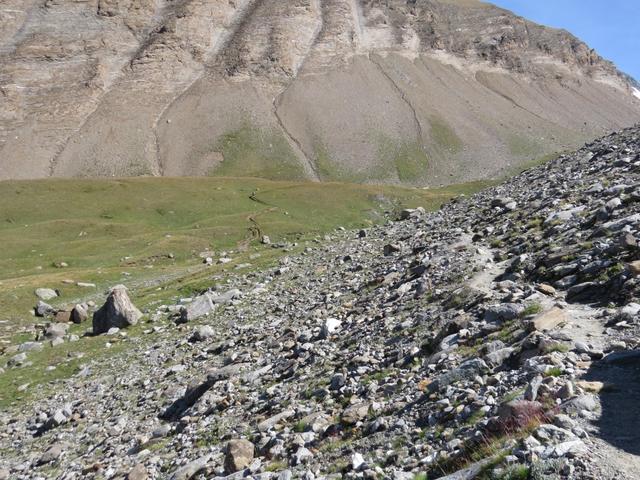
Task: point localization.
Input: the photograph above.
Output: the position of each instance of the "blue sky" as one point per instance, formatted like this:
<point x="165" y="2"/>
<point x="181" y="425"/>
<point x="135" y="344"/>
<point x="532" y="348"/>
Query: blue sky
<point x="612" y="27"/>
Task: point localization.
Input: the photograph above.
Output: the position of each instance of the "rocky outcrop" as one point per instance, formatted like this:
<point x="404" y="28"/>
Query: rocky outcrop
<point x="428" y="92"/>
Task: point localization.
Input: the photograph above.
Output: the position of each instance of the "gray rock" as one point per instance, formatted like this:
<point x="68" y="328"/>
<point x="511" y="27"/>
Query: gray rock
<point x="502" y="312"/>
<point x="139" y="472"/>
<point x="355" y="413"/>
<point x="30" y="347"/>
<point x="497" y="358"/>
<point x="239" y="455"/>
<point x="17" y="360"/>
<point x="583" y="402"/>
<point x="56" y="330"/>
<point x="190" y="469"/>
<point x="302" y="455"/>
<point x="467" y="371"/>
<point x="566" y="391"/>
<point x="271" y="422"/>
<point x="118" y="311"/>
<point x="226" y="297"/>
<point x="79" y="314"/>
<point x="570" y="448"/>
<point x="204" y="304"/>
<point x="53" y="453"/>
<point x="202" y="332"/>
<point x="46" y="293"/>
<point x="531" y="393"/>
<point x="43" y="309"/>
<point x="201" y="306"/>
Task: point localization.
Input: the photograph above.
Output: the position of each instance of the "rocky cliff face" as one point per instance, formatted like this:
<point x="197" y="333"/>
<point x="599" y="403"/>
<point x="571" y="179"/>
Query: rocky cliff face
<point x="423" y="92"/>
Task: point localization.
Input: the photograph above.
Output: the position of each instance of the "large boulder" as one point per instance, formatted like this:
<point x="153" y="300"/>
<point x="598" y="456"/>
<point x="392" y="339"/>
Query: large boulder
<point x="117" y="311"/>
<point x="239" y="455"/>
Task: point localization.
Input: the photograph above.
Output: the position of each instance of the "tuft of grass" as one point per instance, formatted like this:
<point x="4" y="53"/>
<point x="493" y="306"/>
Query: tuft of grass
<point x="557" y="347"/>
<point x="300" y="427"/>
<point x="512" y="395"/>
<point x="275" y="466"/>
<point x="531" y="309"/>
<point x="516" y="472"/>
<point x="553" y="372"/>
<point x="330" y="446"/>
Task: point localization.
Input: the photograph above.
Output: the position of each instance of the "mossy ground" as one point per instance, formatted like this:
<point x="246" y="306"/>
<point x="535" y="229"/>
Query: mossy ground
<point x="444" y="136"/>
<point x="254" y="152"/>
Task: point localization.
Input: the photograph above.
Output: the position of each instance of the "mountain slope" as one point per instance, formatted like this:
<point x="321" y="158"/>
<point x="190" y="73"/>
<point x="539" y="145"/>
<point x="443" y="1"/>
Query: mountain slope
<point x="423" y="92"/>
<point x="502" y="329"/>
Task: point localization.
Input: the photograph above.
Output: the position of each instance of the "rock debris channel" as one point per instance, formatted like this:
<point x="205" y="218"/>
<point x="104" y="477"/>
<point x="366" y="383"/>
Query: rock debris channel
<point x="494" y="338"/>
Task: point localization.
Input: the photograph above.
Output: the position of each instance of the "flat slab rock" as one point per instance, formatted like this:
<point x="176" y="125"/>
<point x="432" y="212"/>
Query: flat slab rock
<point x="549" y="320"/>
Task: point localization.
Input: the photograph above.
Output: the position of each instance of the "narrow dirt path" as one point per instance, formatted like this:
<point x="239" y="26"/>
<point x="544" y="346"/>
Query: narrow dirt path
<point x="615" y="431"/>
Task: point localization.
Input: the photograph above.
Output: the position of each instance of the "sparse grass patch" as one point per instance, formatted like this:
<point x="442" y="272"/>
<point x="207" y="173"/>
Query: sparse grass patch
<point x="535" y="223"/>
<point x="254" y="152"/>
<point x="334" y="445"/>
<point x="444" y="136"/>
<point x="376" y="376"/>
<point x="531" y="309"/>
<point x="557" y="347"/>
<point x="512" y="395"/>
<point x="553" y="372"/>
<point x="516" y="472"/>
<point x="276" y="466"/>
<point x="300" y="427"/>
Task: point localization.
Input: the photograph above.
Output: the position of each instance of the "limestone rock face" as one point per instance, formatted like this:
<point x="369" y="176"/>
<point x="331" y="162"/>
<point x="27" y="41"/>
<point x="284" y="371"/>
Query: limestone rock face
<point x="426" y="92"/>
<point x="118" y="312"/>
